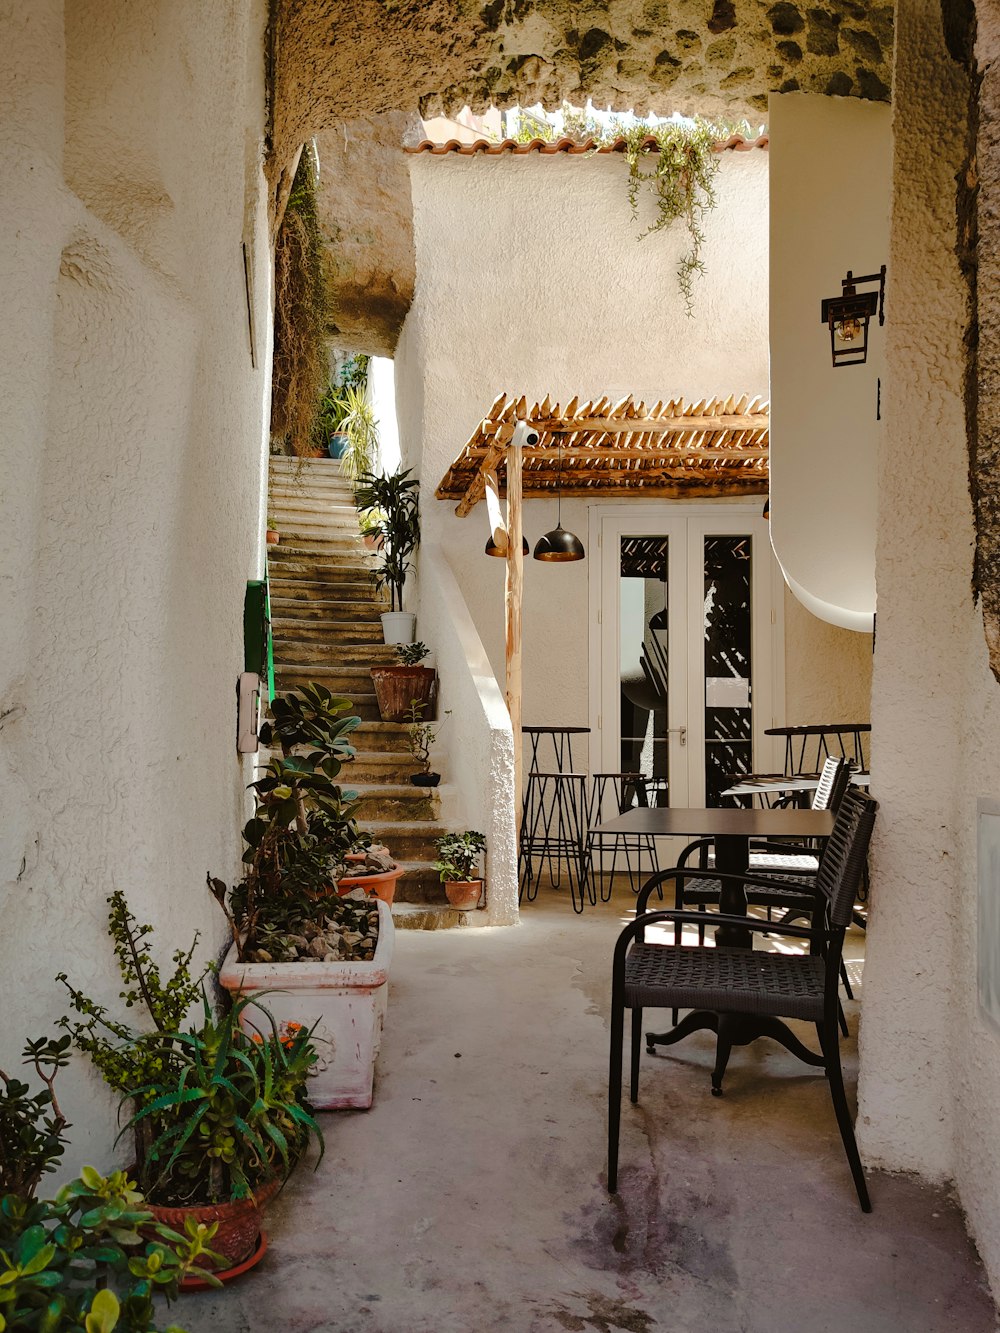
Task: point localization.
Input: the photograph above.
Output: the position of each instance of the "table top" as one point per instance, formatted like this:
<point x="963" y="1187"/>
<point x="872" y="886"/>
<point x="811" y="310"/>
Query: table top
<point x="818" y="729"/>
<point x="668" y="822"/>
<point x="751" y="786"/>
<point x="555" y="731"/>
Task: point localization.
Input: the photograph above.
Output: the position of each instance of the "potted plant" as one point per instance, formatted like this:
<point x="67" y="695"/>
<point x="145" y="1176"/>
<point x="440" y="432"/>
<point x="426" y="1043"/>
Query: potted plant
<point x="92" y="1257"/>
<point x="219" y="1114"/>
<point x="397" y="496"/>
<point x="271" y="534"/>
<point x="420" y="736"/>
<point x="329" y="956"/>
<point x="458" y="861"/>
<point x="399" y="688"/>
<point x="358" y="423"/>
<point x="370" y="526"/>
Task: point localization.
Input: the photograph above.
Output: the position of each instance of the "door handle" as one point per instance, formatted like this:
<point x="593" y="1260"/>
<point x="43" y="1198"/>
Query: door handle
<point x="678" y="731"/>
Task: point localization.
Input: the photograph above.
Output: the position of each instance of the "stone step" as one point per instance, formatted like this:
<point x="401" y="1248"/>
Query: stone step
<point x="313" y="508"/>
<point x="315" y="633"/>
<point x="379" y="766"/>
<point x="311" y="485"/>
<point x="311" y="567"/>
<point x="364" y="650"/>
<point x="420" y="883"/>
<point x="407" y="840"/>
<point x="380" y="736"/>
<point x="351" y="634"/>
<point x="292" y="650"/>
<point x="364" y="706"/>
<point x="334" y="551"/>
<point x="327" y="540"/>
<point x="390" y="801"/>
<point x="431" y="916"/>
<point x="322" y="583"/>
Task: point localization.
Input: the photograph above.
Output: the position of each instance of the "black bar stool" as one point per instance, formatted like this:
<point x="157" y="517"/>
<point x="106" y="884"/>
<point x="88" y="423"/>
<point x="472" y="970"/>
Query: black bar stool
<point x="613" y="794"/>
<point x="553" y="829"/>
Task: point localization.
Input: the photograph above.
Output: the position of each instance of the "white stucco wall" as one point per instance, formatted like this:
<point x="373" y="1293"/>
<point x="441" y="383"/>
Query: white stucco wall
<point x="530" y="280"/>
<point x="930" y="1089"/>
<point x="830" y="190"/>
<point x="133" y="458"/>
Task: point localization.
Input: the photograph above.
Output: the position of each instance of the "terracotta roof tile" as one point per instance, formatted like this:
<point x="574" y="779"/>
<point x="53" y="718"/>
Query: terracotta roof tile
<point x="735" y="143"/>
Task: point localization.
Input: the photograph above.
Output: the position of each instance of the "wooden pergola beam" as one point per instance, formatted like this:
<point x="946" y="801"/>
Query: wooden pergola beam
<point x="602" y="453"/>
<point x="658" y="425"/>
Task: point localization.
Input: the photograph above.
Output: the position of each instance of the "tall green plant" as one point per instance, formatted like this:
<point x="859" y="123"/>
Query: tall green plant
<point x="361" y="428"/>
<point x="398" y="497"/>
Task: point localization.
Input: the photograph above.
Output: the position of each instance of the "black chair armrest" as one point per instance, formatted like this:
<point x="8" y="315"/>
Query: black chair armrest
<point x="685" y="918"/>
<point x="680" y="872"/>
<point x="701" y="845"/>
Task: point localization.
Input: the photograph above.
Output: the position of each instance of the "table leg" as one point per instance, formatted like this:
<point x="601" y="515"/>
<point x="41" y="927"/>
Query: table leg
<point x="732" y="855"/>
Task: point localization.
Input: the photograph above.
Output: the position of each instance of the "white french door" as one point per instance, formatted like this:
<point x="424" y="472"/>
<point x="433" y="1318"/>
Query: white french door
<point x="687" y="641"/>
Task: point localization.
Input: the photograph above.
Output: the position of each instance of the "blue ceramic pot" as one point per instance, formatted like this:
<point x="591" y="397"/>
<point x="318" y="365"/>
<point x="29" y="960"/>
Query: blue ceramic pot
<point x="337" y="446"/>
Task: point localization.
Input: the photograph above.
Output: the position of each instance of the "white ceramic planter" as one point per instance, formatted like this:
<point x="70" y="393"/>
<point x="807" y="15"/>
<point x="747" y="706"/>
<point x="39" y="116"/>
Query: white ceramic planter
<point x="398" y="626"/>
<point x="346" y="1001"/>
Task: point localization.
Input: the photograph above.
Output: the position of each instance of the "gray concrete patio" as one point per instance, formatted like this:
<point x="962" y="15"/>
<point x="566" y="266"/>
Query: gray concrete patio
<point x="471" y="1196"/>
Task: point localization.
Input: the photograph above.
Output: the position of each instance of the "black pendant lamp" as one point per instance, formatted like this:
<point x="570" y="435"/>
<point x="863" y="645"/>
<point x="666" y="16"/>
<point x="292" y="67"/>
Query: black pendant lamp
<point x="559" y="545"/>
<point x="493" y="549"/>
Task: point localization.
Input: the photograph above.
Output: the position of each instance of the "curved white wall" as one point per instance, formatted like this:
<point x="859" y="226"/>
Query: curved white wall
<point x="133" y="457"/>
<point x="830" y="188"/>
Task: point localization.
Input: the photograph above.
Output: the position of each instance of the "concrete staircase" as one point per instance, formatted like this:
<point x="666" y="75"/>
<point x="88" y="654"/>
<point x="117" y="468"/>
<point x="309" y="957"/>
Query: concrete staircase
<point x="325" y="620"/>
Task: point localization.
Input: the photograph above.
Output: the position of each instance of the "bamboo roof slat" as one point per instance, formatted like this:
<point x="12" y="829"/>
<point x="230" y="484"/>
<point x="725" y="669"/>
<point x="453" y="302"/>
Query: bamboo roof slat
<point x="713" y="446"/>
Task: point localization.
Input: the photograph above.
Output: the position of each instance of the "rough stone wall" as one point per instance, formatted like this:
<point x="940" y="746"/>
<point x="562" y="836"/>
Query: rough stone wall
<point x="934" y="706"/>
<point x="130" y="509"/>
<point x="367" y="221"/>
<point x="334" y="60"/>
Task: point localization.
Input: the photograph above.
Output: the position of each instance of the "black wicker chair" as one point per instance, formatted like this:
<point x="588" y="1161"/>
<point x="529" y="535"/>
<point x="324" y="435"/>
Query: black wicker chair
<point x="743" y="993"/>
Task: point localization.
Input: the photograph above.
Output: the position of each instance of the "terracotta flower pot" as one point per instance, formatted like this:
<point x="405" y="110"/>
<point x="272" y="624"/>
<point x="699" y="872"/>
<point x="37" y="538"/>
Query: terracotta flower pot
<point x="464" y="893"/>
<point x="272" y="536"/>
<point x="378" y="885"/>
<point x="240" y="1223"/>
<point x="397" y="688"/>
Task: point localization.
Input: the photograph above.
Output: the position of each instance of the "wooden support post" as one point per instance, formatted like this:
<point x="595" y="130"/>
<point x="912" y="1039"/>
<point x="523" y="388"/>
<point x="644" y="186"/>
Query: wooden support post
<point x="513" y="595"/>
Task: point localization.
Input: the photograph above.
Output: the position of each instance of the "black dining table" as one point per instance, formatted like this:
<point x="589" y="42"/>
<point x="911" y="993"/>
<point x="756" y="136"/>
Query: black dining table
<point x="732" y="831"/>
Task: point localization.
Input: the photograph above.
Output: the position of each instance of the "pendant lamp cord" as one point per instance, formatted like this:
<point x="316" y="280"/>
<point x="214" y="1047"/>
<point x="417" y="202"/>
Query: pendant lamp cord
<point x="559" y="487"/>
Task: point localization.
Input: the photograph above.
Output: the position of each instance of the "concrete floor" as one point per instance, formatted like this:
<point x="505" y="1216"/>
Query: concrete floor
<point x="471" y="1196"/>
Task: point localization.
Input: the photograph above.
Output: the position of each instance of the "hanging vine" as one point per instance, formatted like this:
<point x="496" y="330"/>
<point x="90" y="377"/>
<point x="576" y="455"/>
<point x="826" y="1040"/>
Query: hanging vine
<point x="681" y="179"/>
<point x="301" y="315"/>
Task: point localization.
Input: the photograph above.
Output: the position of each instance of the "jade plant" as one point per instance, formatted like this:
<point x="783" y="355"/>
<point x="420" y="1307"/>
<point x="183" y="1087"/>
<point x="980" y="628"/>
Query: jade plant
<point x="92" y="1259"/>
<point x="412" y="654"/>
<point x="216" y="1111"/>
<point x="458" y="855"/>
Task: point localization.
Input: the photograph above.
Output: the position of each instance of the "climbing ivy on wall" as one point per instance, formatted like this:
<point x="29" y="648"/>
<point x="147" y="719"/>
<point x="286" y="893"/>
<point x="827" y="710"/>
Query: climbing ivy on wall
<point x="301" y="315"/>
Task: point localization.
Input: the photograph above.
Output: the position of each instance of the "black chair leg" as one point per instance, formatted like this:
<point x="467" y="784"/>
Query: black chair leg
<point x="846" y="980"/>
<point x="615" y="1089"/>
<point x="636" y="1050"/>
<point x="831" y="1049"/>
<point x="842" y="1019"/>
<point x="724" y="1046"/>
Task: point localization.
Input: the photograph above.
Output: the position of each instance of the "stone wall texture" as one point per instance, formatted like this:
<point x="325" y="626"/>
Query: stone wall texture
<point x="334" y="60"/>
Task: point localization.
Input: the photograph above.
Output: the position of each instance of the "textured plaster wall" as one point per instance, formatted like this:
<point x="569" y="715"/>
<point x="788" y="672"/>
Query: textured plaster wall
<point x="133" y="475"/>
<point x="929" y="1096"/>
<point x="828" y="670"/>
<point x="530" y="280"/>
<point x="824" y="421"/>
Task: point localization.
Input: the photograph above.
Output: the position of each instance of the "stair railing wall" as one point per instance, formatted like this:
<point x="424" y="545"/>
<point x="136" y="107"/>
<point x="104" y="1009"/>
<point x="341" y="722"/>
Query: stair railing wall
<point x="478" y="742"/>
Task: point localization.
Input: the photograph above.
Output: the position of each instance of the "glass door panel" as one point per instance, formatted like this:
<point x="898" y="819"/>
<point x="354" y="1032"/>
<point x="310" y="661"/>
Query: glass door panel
<point x="727" y="565"/>
<point x="644" y="634"/>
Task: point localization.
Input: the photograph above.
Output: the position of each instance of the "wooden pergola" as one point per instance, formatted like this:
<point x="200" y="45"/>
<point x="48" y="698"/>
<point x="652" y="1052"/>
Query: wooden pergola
<point x="601" y="450"/>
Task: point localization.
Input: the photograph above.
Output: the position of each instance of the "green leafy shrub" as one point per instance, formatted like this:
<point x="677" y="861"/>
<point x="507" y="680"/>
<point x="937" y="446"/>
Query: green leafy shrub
<point x="84" y="1261"/>
<point x="459" y="855"/>
<point x="412" y="654"/>
<point x="32" y="1124"/>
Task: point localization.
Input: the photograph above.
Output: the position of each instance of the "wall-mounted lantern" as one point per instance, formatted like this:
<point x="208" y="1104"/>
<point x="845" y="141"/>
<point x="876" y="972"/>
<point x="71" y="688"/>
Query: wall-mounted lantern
<point x="847" y="317"/>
